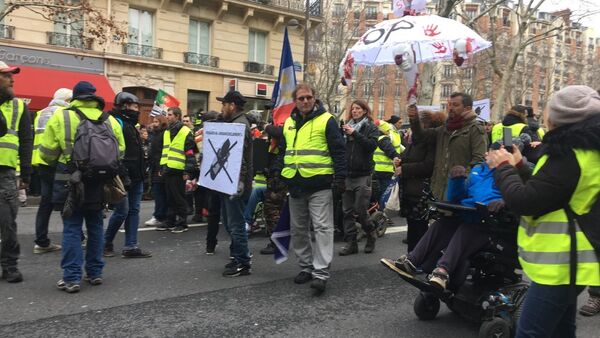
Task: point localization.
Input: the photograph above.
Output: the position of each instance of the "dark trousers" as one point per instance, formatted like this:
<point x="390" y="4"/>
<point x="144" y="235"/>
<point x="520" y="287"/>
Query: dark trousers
<point x="177" y="205"/>
<point x="160" y="200"/>
<point x="458" y="240"/>
<point x="214" y="216"/>
<point x="416" y="230"/>
<point x="355" y="202"/>
<point x="200" y="199"/>
<point x="42" y="218"/>
<point x="594" y="291"/>
<point x="9" y="205"/>
<point x="548" y="311"/>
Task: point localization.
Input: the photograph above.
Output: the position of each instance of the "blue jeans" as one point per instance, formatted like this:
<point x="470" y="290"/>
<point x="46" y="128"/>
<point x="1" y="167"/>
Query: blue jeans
<point x="128" y="211"/>
<point x="232" y="213"/>
<point x="72" y="253"/>
<point x="258" y="195"/>
<point x="160" y="201"/>
<point x="548" y="311"/>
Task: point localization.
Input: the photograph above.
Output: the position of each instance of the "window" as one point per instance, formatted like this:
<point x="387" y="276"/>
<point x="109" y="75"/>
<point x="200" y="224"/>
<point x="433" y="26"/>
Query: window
<point x="68" y="28"/>
<point x="199" y="37"/>
<point x="446" y="90"/>
<point x="197" y="101"/>
<point x="257" y="47"/>
<point x="338" y="10"/>
<point x="371" y="13"/>
<point x="140" y="27"/>
<point x="447" y="71"/>
<point x="469" y="73"/>
<point x="471" y="11"/>
<point x="368" y="88"/>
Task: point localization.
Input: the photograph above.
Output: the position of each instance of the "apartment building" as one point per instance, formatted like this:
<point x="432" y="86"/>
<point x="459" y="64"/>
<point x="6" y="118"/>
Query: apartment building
<point x="194" y="50"/>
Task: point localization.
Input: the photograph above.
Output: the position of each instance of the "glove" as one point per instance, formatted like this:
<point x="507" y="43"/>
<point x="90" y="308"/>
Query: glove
<point x="496" y="206"/>
<point x="458" y="171"/>
<point x="339" y="185"/>
<point x="240" y="191"/>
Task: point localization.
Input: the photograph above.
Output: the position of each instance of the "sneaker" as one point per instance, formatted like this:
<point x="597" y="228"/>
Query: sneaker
<point x="153" y="222"/>
<point x="108" y="252"/>
<point x="179" y="229"/>
<point x="135" y="253"/>
<point x="210" y="249"/>
<point x="69" y="287"/>
<point x="164" y="227"/>
<point x="237" y="270"/>
<point x="318" y="285"/>
<point x="12" y="275"/>
<point x="23" y="204"/>
<point x="37" y="249"/>
<point x="268" y="250"/>
<point x="93" y="280"/>
<point x="404" y="264"/>
<point x="303" y="277"/>
<point x="592" y="306"/>
<point x="439" y="278"/>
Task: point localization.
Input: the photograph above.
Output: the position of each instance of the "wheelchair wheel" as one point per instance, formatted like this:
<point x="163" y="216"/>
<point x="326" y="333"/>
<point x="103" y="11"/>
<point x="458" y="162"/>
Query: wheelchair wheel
<point x="381" y="221"/>
<point x="426" y="306"/>
<point x="495" y="328"/>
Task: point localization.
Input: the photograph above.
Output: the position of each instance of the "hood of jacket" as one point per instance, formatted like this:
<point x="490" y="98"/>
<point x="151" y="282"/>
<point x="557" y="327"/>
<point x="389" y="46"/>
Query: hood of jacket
<point x="583" y="135"/>
<point x="58" y="103"/>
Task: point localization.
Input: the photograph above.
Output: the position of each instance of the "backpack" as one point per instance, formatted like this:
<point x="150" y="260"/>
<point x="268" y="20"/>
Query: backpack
<point x="95" y="149"/>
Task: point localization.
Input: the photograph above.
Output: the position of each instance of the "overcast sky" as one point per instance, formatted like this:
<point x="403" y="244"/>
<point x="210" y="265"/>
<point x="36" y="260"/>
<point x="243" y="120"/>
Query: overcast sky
<point x="579" y="7"/>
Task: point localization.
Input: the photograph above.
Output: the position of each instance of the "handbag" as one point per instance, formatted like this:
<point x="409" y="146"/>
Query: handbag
<point x="114" y="191"/>
<point x="392" y="202"/>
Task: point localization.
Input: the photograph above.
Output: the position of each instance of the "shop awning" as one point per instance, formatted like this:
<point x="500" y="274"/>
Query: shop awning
<point x="37" y="85"/>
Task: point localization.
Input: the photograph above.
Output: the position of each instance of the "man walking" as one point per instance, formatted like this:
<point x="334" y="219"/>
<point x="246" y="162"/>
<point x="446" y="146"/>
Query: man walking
<point x="177" y="165"/>
<point x="42" y="243"/>
<point x="16" y="145"/>
<point x="57" y="148"/>
<point x="312" y="156"/>
<point x="232" y="206"/>
<point x="127" y="212"/>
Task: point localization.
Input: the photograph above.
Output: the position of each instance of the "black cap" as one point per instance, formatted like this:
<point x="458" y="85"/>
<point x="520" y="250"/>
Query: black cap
<point x="83" y="90"/>
<point x="233" y="97"/>
<point x="393" y="119"/>
<point x="520" y="109"/>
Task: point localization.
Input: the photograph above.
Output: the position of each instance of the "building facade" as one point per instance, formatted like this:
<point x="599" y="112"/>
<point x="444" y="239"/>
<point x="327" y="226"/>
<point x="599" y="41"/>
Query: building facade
<point x="196" y="51"/>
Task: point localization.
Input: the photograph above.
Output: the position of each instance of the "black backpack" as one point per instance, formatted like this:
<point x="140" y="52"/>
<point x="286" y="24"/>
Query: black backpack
<point x="95" y="149"/>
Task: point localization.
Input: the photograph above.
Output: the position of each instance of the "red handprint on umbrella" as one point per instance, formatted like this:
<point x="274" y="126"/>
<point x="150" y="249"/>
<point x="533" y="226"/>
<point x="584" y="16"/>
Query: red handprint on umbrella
<point x="431" y="30"/>
<point x="441" y="48"/>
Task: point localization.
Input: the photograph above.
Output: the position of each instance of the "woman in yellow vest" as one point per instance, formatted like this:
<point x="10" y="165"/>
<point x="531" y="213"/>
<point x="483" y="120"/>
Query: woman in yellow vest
<point x="556" y="253"/>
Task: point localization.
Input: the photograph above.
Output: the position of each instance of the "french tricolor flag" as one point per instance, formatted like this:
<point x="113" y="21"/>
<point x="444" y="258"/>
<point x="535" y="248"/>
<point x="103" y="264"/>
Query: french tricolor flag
<point x="282" y="95"/>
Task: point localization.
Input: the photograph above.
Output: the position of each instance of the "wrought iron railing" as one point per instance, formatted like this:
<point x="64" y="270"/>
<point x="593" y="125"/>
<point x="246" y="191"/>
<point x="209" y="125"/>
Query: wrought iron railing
<point x="68" y="40"/>
<point x="7" y="32"/>
<point x="142" y="50"/>
<point x="314" y="8"/>
<point x="201" y="59"/>
<point x="259" y="68"/>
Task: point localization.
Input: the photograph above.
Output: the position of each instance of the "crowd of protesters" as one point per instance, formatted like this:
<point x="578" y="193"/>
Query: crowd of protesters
<point x="318" y="165"/>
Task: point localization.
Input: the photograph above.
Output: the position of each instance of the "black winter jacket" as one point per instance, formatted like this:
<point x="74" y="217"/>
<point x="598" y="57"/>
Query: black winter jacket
<point x="359" y="150"/>
<point x="133" y="160"/>
<point x="154" y="155"/>
<point x="417" y="166"/>
<point x="337" y="151"/>
<point x="553" y="185"/>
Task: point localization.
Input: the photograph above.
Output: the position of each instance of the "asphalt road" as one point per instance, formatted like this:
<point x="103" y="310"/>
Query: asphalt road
<point x="180" y="292"/>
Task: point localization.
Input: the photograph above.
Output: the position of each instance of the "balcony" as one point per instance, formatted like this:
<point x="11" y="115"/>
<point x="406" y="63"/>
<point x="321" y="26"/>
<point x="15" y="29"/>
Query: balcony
<point x="7" y="32"/>
<point x="142" y="50"/>
<point x="68" y="40"/>
<point x="314" y="8"/>
<point x="201" y="59"/>
<point x="259" y="68"/>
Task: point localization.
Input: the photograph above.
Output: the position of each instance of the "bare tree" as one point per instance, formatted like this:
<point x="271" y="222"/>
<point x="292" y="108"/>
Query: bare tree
<point x="81" y="16"/>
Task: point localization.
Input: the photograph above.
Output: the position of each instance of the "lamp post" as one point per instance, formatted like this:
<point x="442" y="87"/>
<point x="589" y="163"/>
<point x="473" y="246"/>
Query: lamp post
<point x="295" y="23"/>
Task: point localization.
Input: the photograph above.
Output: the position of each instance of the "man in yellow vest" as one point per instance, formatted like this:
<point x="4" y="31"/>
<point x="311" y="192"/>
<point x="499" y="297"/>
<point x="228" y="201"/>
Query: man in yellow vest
<point x="559" y="245"/>
<point x="61" y="99"/>
<point x="57" y="148"/>
<point x="177" y="165"/>
<point x="516" y="120"/>
<point x="312" y="157"/>
<point x="389" y="147"/>
<point x="15" y="146"/>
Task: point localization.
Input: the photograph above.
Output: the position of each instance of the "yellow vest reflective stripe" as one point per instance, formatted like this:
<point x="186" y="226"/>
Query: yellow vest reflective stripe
<point x="541" y="133"/>
<point x="306" y="149"/>
<point x="9" y="143"/>
<point x="382" y="162"/>
<point x="545" y="243"/>
<point x="260" y="180"/>
<point x="173" y="154"/>
<point x="515" y="130"/>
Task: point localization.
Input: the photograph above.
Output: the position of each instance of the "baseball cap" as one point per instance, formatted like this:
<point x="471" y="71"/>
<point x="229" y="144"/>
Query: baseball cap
<point x="233" y="97"/>
<point x="4" y="68"/>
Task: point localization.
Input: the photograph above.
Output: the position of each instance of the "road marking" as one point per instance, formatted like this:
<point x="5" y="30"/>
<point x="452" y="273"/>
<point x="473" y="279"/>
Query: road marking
<point x="194" y="225"/>
<point x="393" y="230"/>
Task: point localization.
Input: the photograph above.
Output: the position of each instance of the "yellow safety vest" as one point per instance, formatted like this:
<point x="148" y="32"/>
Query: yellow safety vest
<point x="173" y="153"/>
<point x="9" y="143"/>
<point x="260" y="180"/>
<point x="541" y="133"/>
<point x="545" y="243"/>
<point x="306" y="150"/>
<point x="382" y="162"/>
<point x="515" y="130"/>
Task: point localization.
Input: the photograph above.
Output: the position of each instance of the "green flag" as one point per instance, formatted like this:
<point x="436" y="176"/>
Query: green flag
<point x="164" y="99"/>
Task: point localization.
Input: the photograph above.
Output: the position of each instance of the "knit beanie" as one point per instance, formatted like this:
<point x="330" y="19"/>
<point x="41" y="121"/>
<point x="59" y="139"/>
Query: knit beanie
<point x="83" y="89"/>
<point x="573" y="104"/>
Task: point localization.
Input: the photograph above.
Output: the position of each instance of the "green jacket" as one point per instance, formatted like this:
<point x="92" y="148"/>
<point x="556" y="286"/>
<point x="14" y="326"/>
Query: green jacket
<point x="465" y="147"/>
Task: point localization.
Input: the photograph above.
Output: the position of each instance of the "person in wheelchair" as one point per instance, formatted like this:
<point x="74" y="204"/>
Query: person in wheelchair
<point x="458" y="237"/>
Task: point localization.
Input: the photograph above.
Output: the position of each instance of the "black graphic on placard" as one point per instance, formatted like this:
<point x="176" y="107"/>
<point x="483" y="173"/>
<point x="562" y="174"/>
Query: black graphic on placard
<point x="221" y="158"/>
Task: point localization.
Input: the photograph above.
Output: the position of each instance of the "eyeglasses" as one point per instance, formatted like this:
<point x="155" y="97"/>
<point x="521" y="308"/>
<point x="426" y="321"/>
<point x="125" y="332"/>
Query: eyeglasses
<point x="305" y="98"/>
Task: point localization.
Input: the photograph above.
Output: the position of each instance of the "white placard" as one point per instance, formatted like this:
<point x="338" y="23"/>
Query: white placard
<point x="222" y="151"/>
<point x="435" y="109"/>
<point x="482" y="109"/>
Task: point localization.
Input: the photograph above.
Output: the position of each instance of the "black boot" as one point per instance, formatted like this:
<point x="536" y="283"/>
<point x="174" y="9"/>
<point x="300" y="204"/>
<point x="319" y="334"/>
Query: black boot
<point x="268" y="250"/>
<point x="370" y="246"/>
<point x="350" y="248"/>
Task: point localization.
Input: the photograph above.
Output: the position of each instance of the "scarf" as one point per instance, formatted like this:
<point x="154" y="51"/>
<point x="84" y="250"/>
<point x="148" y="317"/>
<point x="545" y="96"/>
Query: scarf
<point x="453" y="124"/>
<point x="358" y="125"/>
